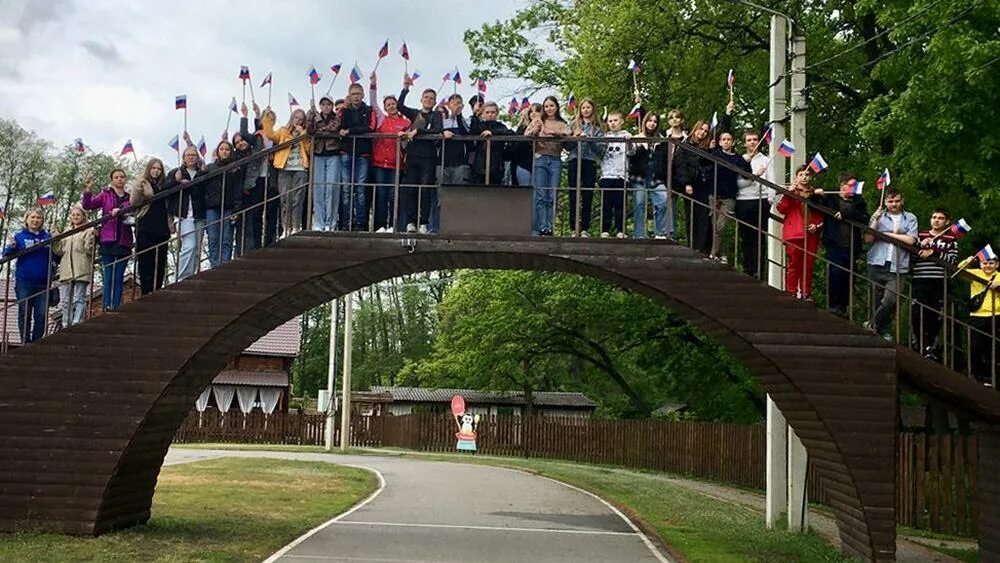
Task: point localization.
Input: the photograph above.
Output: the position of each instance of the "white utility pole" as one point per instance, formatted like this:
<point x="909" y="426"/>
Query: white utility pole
<point x="776" y="496"/>
<point x="345" y="402"/>
<point x="797" y="457"/>
<point x="331" y="376"/>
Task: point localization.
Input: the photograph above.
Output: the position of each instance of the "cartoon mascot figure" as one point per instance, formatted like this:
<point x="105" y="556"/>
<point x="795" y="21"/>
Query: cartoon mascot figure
<point x="466" y="425"/>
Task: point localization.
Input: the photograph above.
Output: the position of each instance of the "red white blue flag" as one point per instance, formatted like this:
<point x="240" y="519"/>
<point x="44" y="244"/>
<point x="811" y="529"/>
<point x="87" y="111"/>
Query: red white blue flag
<point x="244" y="73"/>
<point x="128" y="148"/>
<point x="856" y="186"/>
<point x="355" y="73"/>
<point x="786" y="148"/>
<point x="571" y="102"/>
<point x="817" y="164"/>
<point x="202" y="147"/>
<point x="267" y="80"/>
<point x="883" y="180"/>
<point x="633" y="66"/>
<point x="512" y="107"/>
<point x="48" y="198"/>
<point x="292" y="101"/>
<point x="525" y="103"/>
<point x="986" y="254"/>
<point x="175" y="143"/>
<point x="404" y="51"/>
<point x="416" y="75"/>
<point x="960" y="228"/>
<point x="232" y="106"/>
<point x="457" y="77"/>
<point x="634" y="114"/>
<point x="78" y="145"/>
<point x="384" y="51"/>
<point x="313" y="76"/>
<point x="181" y="102"/>
<point x="481" y="84"/>
<point x="765" y="139"/>
<point x="336" y="68"/>
<point x="715" y="120"/>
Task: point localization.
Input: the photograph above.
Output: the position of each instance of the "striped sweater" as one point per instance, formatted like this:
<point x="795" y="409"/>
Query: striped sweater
<point x="945" y="249"/>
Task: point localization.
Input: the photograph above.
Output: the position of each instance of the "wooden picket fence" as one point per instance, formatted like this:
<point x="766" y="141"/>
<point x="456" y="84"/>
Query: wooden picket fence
<point x="936" y="479"/>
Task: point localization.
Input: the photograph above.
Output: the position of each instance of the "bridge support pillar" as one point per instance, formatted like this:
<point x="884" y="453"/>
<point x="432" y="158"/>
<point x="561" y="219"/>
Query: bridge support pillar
<point x="776" y="494"/>
<point x="989" y="494"/>
<point x="798" y="520"/>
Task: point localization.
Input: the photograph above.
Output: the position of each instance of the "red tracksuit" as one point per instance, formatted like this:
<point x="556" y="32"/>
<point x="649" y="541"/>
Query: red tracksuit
<point x="800" y="245"/>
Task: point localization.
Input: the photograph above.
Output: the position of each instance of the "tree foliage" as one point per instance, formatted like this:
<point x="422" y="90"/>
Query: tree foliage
<point x="531" y="331"/>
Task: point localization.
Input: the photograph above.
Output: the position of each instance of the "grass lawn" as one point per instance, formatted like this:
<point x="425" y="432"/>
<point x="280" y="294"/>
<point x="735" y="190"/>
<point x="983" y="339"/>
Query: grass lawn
<point x="697" y="527"/>
<point x="215" y="510"/>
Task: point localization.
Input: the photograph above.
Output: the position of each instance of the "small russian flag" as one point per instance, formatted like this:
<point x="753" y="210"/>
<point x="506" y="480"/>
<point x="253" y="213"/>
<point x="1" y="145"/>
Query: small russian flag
<point x="232" y="106"/>
<point x="244" y="72"/>
<point x="355" y="73"/>
<point x="202" y="147"/>
<point x="856" y="186"/>
<point x="457" y="77"/>
<point x="960" y="228"/>
<point x="986" y="254"/>
<point x="765" y="139"/>
<point x="883" y="180"/>
<point x="404" y="51"/>
<point x="786" y="148"/>
<point x="634" y="114"/>
<point x="79" y="146"/>
<point x="481" y="84"/>
<point x="731" y="79"/>
<point x="443" y="103"/>
<point x="292" y="101"/>
<point x="715" y="120"/>
<point x="181" y="102"/>
<point x="525" y="103"/>
<point x="447" y="76"/>
<point x="48" y="198"/>
<point x="267" y="80"/>
<point x="313" y="76"/>
<point x="817" y="164"/>
<point x="633" y="66"/>
<point x="571" y="103"/>
<point x="175" y="143"/>
<point x="416" y="75"/>
<point x="512" y="107"/>
<point x="336" y="68"/>
<point x="128" y="148"/>
<point x="384" y="51"/>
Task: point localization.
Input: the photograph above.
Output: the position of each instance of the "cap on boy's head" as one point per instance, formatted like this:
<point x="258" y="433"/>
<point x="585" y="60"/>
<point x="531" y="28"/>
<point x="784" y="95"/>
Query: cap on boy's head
<point x="328" y="98"/>
<point x="477" y="99"/>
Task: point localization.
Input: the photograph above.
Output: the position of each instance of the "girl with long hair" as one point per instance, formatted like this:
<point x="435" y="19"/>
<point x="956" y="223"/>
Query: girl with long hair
<point x="548" y="165"/>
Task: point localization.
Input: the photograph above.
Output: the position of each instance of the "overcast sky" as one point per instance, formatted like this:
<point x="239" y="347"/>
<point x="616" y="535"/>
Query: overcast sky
<point x="108" y="71"/>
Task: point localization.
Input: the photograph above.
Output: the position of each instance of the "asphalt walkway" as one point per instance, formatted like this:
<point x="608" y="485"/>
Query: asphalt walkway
<point x="431" y="511"/>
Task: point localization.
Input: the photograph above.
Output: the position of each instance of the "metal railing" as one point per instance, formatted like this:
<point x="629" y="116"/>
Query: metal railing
<point x="400" y="199"/>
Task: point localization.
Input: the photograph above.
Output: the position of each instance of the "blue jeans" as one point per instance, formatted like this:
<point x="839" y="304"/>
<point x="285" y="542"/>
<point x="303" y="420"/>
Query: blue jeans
<point x="523" y="176"/>
<point x="384" y="179"/>
<point x="73" y="295"/>
<point x="326" y="192"/>
<point x="220" y="236"/>
<point x="32" y="299"/>
<point x="658" y="197"/>
<point x="548" y="171"/>
<point x="114" y="278"/>
<point x="353" y="175"/>
<point x="190" y="232"/>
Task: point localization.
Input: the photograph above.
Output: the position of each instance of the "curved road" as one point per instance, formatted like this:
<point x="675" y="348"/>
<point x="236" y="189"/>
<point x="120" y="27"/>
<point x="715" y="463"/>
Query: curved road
<point x="430" y="511"/>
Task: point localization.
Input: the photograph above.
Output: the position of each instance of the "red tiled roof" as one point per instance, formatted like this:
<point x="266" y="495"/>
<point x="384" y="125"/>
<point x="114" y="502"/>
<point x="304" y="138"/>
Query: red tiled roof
<point x="282" y="341"/>
<point x="255" y="378"/>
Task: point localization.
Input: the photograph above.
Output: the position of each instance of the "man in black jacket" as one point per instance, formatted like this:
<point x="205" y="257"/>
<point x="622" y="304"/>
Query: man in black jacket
<point x="355" y="200"/>
<point x="489" y="154"/>
<point x="843" y="242"/>
<point x="421" y="160"/>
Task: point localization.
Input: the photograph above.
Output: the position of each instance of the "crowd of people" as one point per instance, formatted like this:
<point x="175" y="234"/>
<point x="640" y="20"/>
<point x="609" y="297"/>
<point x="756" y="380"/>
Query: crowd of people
<point x="354" y="179"/>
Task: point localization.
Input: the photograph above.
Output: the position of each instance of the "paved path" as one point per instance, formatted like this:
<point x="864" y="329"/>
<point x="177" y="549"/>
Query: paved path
<point x="430" y="511"/>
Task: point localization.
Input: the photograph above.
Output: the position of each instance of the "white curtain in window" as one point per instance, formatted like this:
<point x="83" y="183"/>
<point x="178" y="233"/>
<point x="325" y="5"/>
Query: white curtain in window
<point x="269" y="398"/>
<point x="246" y="397"/>
<point x="223" y="398"/>
<point x="202" y="403"/>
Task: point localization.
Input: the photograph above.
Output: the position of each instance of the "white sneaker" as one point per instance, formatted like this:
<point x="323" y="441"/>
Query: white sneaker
<point x="572" y="235"/>
<point x="660" y="237"/>
<point x="605" y="234"/>
<point x="723" y="259"/>
<point x="620" y="235"/>
<point x="411" y="227"/>
<point x="383" y="230"/>
<point x="422" y="230"/>
<point x="584" y="234"/>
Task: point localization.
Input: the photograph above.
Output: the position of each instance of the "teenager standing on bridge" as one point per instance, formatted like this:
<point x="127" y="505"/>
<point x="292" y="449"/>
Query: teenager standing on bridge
<point x="355" y="199"/>
<point x="697" y="187"/>
<point x="888" y="263"/>
<point x="292" y="164"/>
<point x="984" y="320"/>
<point x="583" y="157"/>
<point x="490" y="155"/>
<point x="614" y="174"/>
<point x="930" y="280"/>
<point x="801" y="233"/>
<point x="153" y="227"/>
<point x="246" y="143"/>
<point x="222" y="195"/>
<point x="115" y="235"/>
<point x="753" y="208"/>
<point x="522" y="152"/>
<point x="548" y="164"/>
<point x="387" y="154"/>
<point x="421" y="159"/>
<point x="647" y="167"/>
<point x="32" y="275"/>
<point x="327" y="164"/>
<point x="189" y="208"/>
<point x="843" y="242"/>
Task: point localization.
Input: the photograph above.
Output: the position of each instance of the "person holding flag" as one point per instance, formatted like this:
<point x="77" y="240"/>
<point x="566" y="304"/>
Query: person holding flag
<point x="387" y="154"/>
<point x="327" y="163"/>
<point x="722" y="201"/>
<point x="938" y="248"/>
<point x="115" y="235"/>
<point x="355" y="200"/>
<point x="32" y="275"/>
<point x="753" y="207"/>
<point x="888" y="262"/>
<point x="843" y="242"/>
<point x="800" y="233"/>
<point x="292" y="164"/>
<point x="984" y="317"/>
<point x="415" y="204"/>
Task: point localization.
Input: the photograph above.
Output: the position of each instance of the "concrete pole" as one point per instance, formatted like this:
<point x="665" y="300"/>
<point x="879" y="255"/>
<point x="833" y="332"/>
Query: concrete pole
<point x="797" y="458"/>
<point x="777" y="462"/>
<point x="345" y="402"/>
<point x="331" y="375"/>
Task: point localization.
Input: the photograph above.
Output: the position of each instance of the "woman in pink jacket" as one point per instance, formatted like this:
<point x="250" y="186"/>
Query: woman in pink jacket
<point x="115" y="235"/>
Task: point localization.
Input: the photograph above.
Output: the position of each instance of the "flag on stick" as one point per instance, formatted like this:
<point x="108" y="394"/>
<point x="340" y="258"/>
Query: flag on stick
<point x="355" y="74"/>
<point x="384" y="51"/>
<point x="314" y="76"/>
<point x="817" y="164"/>
<point x="202" y="147"/>
<point x="856" y="186"/>
<point x="786" y="148"/>
<point x="232" y="106"/>
<point x="457" y="77"/>
<point x="525" y="103"/>
<point x="266" y="81"/>
<point x="634" y="114"/>
<point x="481" y="84"/>
<point x="292" y="102"/>
<point x="48" y="198"/>
<point x="416" y="75"/>
<point x="571" y="103"/>
<point x="731" y="80"/>
<point x="634" y="66"/>
<point x="986" y="254"/>
<point x="175" y="143"/>
<point x="336" y="68"/>
<point x="715" y="120"/>
<point x="403" y="51"/>
<point x="245" y="73"/>
<point x="960" y="228"/>
<point x="128" y="148"/>
<point x="512" y="107"/>
<point x="883" y="180"/>
<point x="181" y="102"/>
<point x="768" y="135"/>
<point x="79" y="146"/>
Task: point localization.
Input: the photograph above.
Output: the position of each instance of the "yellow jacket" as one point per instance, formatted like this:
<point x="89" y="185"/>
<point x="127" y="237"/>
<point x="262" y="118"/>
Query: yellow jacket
<point x="283" y="135"/>
<point x="991" y="305"/>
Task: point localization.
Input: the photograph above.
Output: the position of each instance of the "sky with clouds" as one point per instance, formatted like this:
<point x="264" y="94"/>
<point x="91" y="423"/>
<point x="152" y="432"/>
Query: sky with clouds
<point x="108" y="71"/>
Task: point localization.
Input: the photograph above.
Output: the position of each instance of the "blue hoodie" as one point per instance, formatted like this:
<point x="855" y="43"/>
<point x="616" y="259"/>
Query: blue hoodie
<point x="32" y="267"/>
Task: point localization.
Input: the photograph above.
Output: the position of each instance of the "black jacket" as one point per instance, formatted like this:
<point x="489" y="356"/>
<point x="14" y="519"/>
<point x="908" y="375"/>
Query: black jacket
<point x="225" y="190"/>
<point x="456" y="153"/>
<point x="839" y="234"/>
<point x="722" y="180"/>
<point x="155" y="220"/>
<point x="648" y="158"/>
<point x="498" y="149"/>
<point x="424" y="123"/>
<point x="191" y="195"/>
<point x="359" y="122"/>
